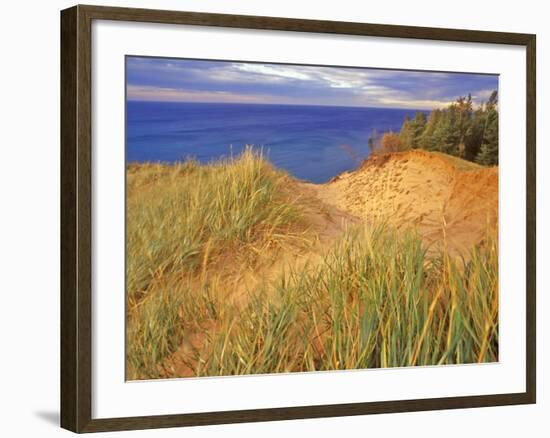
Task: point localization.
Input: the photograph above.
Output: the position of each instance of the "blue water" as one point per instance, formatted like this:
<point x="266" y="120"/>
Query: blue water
<point x="310" y="142"/>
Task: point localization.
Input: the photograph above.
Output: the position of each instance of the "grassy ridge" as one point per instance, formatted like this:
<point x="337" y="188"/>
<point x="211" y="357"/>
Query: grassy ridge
<point x="183" y="220"/>
<point x="375" y="299"/>
<point x="181" y="217"/>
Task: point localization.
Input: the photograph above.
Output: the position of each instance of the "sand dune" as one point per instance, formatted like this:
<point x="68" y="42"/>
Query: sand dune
<point x="448" y="200"/>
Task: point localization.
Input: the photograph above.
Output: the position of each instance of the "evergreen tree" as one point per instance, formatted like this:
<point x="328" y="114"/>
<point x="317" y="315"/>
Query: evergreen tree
<point x="456" y="130"/>
<point x="412" y="130"/>
<point x="427" y="138"/>
<point x="488" y="154"/>
<point x="493" y="100"/>
<point x="474" y="134"/>
<point x="447" y="134"/>
<point x="418" y="126"/>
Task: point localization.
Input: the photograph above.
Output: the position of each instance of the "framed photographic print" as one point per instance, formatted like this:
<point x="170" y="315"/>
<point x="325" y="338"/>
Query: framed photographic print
<point x="268" y="218"/>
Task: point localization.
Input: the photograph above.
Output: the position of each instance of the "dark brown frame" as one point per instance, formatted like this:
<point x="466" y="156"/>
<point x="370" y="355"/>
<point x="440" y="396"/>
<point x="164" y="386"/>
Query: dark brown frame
<point x="76" y="238"/>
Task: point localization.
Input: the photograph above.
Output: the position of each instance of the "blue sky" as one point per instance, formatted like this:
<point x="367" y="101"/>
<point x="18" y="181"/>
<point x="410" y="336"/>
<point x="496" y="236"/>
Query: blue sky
<point x="180" y="80"/>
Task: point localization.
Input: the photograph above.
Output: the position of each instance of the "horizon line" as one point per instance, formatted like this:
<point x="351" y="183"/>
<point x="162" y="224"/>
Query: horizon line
<point x="280" y="104"/>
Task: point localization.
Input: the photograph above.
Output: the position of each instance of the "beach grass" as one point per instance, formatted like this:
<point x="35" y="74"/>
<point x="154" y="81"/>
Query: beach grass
<point x="184" y="219"/>
<point x="376" y="298"/>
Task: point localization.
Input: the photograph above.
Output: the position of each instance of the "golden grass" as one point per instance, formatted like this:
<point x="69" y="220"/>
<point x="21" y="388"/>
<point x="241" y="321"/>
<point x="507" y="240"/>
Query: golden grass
<point x="183" y="219"/>
<point x="375" y="299"/>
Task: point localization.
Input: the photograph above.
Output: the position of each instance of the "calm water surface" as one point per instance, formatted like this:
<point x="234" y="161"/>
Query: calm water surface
<point x="313" y="143"/>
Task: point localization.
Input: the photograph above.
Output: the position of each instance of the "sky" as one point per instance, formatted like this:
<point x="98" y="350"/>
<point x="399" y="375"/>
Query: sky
<point x="183" y="80"/>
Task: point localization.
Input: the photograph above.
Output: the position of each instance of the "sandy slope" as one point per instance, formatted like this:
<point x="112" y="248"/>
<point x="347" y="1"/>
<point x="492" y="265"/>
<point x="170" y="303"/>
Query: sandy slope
<point x="325" y="225"/>
<point x="436" y="194"/>
<point x="441" y="196"/>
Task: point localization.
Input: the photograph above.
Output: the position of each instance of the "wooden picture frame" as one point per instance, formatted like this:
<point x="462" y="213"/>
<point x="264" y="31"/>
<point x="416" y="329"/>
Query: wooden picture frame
<point x="76" y="217"/>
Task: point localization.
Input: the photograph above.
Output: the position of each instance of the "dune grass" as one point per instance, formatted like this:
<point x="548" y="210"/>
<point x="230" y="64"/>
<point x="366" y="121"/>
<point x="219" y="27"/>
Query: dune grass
<point x="198" y="212"/>
<point x="376" y="299"/>
<point x="185" y="218"/>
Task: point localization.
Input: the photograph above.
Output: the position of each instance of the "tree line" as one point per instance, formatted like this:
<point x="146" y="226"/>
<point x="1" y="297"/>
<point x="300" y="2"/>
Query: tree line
<point x="458" y="129"/>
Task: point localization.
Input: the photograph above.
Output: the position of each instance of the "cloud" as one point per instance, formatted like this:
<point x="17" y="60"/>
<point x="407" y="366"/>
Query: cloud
<point x="163" y="94"/>
<point x="414" y="103"/>
<point x="228" y="81"/>
<point x="166" y="94"/>
<point x="273" y="71"/>
<point x="482" y="95"/>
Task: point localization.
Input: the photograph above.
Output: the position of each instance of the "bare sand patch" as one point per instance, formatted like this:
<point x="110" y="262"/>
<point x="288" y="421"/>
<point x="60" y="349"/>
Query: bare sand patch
<point x="446" y="199"/>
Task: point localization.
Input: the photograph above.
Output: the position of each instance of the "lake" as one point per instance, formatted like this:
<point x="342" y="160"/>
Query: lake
<point x="313" y="143"/>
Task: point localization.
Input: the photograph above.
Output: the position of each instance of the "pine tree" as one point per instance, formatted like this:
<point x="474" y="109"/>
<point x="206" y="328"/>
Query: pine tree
<point x="412" y="130"/>
<point x="456" y="130"/>
<point x="418" y="126"/>
<point x="474" y="134"/>
<point x="488" y="154"/>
